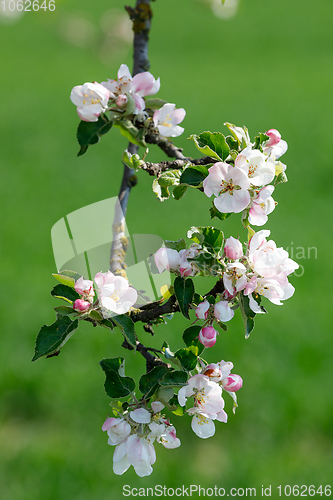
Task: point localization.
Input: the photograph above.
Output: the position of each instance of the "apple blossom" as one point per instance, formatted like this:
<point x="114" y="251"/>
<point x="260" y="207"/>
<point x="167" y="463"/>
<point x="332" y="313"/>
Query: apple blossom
<point x="262" y="205"/>
<point x="223" y="311"/>
<point x="232" y="383"/>
<point x="208" y="404"/>
<point x="234" y="277"/>
<point x="213" y="371"/>
<point x="274" y="137"/>
<point x="115" y="294"/>
<point x="166" y="120"/>
<point x="207" y="336"/>
<point x="188" y="268"/>
<point x="117" y="429"/>
<point x="164" y="433"/>
<point x="137" y="451"/>
<point x="85" y="288"/>
<point x="202" y="310"/>
<point x="140" y="85"/>
<point x="233" y="248"/>
<point x="91" y="100"/>
<point x="140" y="416"/>
<point x="259" y="168"/>
<point x="81" y="305"/>
<point x="230" y="186"/>
<point x="167" y="259"/>
<point x="275" y="146"/>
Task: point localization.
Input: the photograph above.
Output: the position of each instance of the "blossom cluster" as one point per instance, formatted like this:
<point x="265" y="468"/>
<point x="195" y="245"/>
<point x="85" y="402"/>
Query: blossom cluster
<point x="246" y="184"/>
<point x="206" y="390"/>
<point x="134" y="433"/>
<point x="172" y="260"/>
<point x="114" y="294"/>
<point x="125" y="95"/>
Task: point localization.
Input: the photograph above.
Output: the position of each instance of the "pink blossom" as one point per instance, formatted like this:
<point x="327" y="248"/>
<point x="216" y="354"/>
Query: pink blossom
<point x="85" y="288"/>
<point x="166" y="119"/>
<point x="136" y="451"/>
<point x="274" y="137"/>
<point x="81" y="305"/>
<point x="164" y="433"/>
<point x="188" y="268"/>
<point x="167" y="259"/>
<point x="213" y="371"/>
<point x="202" y="310"/>
<point x="115" y="294"/>
<point x="207" y="336"/>
<point x="232" y="383"/>
<point x="234" y="277"/>
<point x="230" y="186"/>
<point x="233" y="248"/>
<point x="91" y="100"/>
<point x="117" y="429"/>
<point x="275" y="146"/>
<point x="262" y="205"/>
<point x="223" y="311"/>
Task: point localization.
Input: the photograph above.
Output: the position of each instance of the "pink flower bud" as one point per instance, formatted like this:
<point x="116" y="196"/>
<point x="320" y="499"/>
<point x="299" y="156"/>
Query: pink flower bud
<point x="207" y="336"/>
<point x="233" y="248"/>
<point x="81" y="305"/>
<point x="232" y="383"/>
<point x="274" y="137"/>
<point x="122" y="100"/>
<point x="85" y="287"/>
<point x="202" y="310"/>
<point x="213" y="371"/>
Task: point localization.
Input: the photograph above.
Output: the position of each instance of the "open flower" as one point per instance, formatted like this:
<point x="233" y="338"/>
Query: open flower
<point x="117" y="429"/>
<point x="91" y="100"/>
<point x="137" y="451"/>
<point x="230" y="186"/>
<point x="166" y="259"/>
<point x="259" y="168"/>
<point x="234" y="277"/>
<point x="166" y="119"/>
<point x="85" y="288"/>
<point x="114" y="292"/>
<point x="262" y="205"/>
<point x="138" y="86"/>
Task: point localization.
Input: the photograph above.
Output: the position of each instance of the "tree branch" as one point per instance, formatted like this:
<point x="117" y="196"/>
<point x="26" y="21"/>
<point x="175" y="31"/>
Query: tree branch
<point x="151" y="360"/>
<point x="165" y="144"/>
<point x="141" y="16"/>
<point x="156" y="169"/>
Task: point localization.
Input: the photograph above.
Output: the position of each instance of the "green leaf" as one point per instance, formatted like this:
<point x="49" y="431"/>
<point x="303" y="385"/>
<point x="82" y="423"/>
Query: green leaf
<point x="51" y="338"/>
<point x="179" y="192"/>
<point x="89" y="133"/>
<point x="148" y="383"/>
<point x="176" y="378"/>
<point x="209" y="237"/>
<point x="95" y="315"/>
<point x="194" y="175"/>
<point x="281" y="178"/>
<point x="164" y="394"/>
<point x="184" y="290"/>
<point x="65" y="292"/>
<point x="116" y="384"/>
<point x="162" y="193"/>
<point x="128" y="130"/>
<point x="232" y="143"/>
<point x="259" y="140"/>
<point x="247" y="313"/>
<point x="126" y="326"/>
<point x="169" y="178"/>
<point x="176" y="245"/>
<point x="212" y="144"/>
<point x="107" y="324"/>
<point x="188" y="357"/>
<point x="64" y="310"/>
<point x="208" y="265"/>
<point x="155" y="103"/>
<point x="190" y="335"/>
<point x="214" y="212"/>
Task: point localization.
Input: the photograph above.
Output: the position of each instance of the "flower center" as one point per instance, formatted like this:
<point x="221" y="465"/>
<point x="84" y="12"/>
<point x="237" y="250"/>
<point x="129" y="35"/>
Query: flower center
<point x="91" y="99"/>
<point x="227" y="186"/>
<point x="252" y="169"/>
<point x="167" y="122"/>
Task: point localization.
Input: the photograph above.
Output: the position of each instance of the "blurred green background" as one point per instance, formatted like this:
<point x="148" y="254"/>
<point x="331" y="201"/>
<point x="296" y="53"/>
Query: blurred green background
<point x="269" y="66"/>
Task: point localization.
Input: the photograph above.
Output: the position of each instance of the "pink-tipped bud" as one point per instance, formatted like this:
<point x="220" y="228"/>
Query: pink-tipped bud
<point x="122" y="101"/>
<point x="202" y="310"/>
<point x="274" y="137"/>
<point x="81" y="305"/>
<point x="207" y="336"/>
<point x="232" y="383"/>
<point x="213" y="371"/>
<point x="233" y="248"/>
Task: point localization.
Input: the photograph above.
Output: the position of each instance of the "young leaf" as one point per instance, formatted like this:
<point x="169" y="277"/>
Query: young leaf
<point x="194" y="175"/>
<point x="176" y="245"/>
<point x="169" y="178"/>
<point x="116" y="384"/>
<point x="128" y="130"/>
<point x="51" y="338"/>
<point x="209" y="237"/>
<point x="212" y="144"/>
<point x="247" y="313"/>
<point x="155" y="103"/>
<point x="66" y="293"/>
<point x="126" y="326"/>
<point x="64" y="310"/>
<point x="188" y="357"/>
<point x="184" y="290"/>
<point x="179" y="192"/>
<point x="148" y="383"/>
<point x="162" y="193"/>
<point x="89" y="133"/>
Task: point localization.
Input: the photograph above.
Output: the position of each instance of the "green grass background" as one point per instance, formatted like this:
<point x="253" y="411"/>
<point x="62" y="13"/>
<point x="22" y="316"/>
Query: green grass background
<point x="270" y="66"/>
